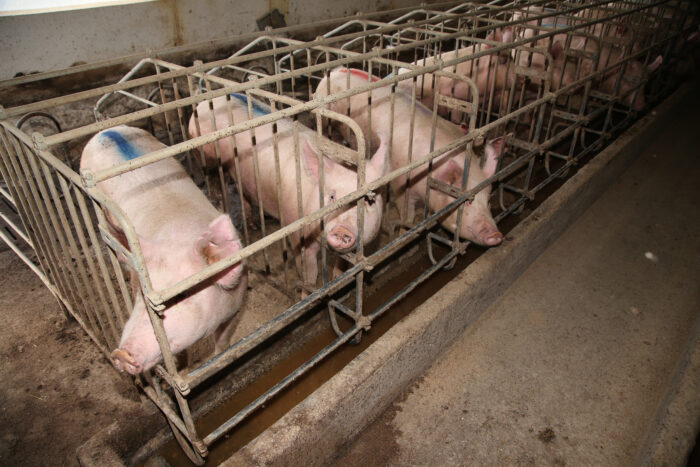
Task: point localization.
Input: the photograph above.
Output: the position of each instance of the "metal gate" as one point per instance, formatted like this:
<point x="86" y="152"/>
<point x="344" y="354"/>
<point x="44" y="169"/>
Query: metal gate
<point x="555" y="79"/>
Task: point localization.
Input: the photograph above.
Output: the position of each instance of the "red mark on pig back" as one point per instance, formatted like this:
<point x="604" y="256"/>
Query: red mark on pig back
<point x="356" y="72"/>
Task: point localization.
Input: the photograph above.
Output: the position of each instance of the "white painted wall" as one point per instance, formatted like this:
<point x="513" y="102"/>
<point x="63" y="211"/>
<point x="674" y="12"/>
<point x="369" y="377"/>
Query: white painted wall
<point x="56" y="40"/>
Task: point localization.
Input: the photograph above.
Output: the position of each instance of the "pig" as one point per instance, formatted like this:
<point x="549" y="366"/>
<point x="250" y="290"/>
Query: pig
<point x="488" y="72"/>
<point x="180" y="233"/>
<point x="631" y="87"/>
<point x="339" y="180"/>
<point x="564" y="71"/>
<point x="477" y="224"/>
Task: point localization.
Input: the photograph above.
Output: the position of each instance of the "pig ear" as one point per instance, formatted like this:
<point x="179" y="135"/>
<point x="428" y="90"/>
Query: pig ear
<point x="451" y="173"/>
<point x="309" y="156"/>
<point x="492" y="155"/>
<point x="556" y="50"/>
<point x="493" y="36"/>
<point x="656" y="63"/>
<point x="217" y="242"/>
<point x="377" y="165"/>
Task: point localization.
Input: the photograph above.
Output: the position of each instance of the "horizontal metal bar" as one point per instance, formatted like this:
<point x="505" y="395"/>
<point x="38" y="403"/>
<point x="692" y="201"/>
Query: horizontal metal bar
<point x="261" y="334"/>
<point x="318" y="42"/>
<point x="446" y="188"/>
<point x="270" y="393"/>
<point x="158" y="299"/>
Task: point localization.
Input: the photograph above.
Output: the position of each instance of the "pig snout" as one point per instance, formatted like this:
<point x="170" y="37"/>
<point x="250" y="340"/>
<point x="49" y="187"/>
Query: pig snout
<point x="493" y="238"/>
<point x="341" y="238"/>
<point x="124" y="361"/>
<point x="488" y="235"/>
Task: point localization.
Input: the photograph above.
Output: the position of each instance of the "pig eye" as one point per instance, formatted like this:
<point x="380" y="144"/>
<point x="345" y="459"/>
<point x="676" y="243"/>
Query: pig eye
<point x="331" y="196"/>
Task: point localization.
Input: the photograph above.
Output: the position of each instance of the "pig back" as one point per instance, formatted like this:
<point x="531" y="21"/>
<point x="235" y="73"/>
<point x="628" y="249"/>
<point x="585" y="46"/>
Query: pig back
<point x="266" y="180"/>
<point x="158" y="198"/>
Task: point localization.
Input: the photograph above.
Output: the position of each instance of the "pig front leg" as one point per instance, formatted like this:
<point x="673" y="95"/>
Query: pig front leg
<point x="222" y="334"/>
<point x="309" y="268"/>
<point x="339" y="267"/>
<point x="407" y="210"/>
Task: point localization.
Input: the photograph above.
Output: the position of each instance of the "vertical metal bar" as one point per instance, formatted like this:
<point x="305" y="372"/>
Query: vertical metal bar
<point x="111" y="312"/>
<point x="69" y="235"/>
<point x="32" y="177"/>
<point x="109" y="333"/>
<point x="166" y="118"/>
<point x="321" y="203"/>
<point x="411" y="128"/>
<point x="6" y="170"/>
<point x="47" y="251"/>
<point x="237" y="170"/>
<point x="198" y="132"/>
<point x="258" y="183"/>
<point x="118" y="272"/>
<point x="300" y="206"/>
<point x="280" y="212"/>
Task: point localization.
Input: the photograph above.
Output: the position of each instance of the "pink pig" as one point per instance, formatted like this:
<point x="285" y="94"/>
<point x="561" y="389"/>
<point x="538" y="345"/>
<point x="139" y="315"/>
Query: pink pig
<point x="180" y="233"/>
<point x="631" y="87"/>
<point x="339" y="180"/>
<point x="488" y="72"/>
<point x="477" y="224"/>
<point x="564" y="71"/>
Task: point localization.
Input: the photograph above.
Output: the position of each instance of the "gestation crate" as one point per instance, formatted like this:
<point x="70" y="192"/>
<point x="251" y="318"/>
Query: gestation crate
<point x="331" y="158"/>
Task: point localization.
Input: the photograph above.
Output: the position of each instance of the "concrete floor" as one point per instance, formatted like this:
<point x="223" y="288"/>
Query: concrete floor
<point x="591" y="357"/>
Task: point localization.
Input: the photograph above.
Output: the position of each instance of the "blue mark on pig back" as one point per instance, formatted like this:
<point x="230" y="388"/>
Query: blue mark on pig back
<point x="552" y="20"/>
<point x="126" y="149"/>
<point x="419" y="106"/>
<point x="258" y="109"/>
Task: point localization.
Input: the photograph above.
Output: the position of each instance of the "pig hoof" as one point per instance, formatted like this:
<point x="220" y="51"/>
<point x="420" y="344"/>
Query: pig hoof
<point x="123" y="361"/>
<point x="341" y="239"/>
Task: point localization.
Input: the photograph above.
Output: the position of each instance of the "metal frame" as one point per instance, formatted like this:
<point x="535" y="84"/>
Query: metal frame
<point x="62" y="213"/>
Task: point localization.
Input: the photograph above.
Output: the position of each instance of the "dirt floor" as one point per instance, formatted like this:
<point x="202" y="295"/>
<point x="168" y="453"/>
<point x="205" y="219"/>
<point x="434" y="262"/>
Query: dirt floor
<point x="59" y="389"/>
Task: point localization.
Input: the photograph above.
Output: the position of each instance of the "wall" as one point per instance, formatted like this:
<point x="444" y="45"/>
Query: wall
<point x="50" y="41"/>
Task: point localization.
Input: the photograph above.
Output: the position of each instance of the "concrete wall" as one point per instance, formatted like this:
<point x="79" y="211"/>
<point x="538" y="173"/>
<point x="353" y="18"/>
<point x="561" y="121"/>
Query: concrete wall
<point x="50" y="41"/>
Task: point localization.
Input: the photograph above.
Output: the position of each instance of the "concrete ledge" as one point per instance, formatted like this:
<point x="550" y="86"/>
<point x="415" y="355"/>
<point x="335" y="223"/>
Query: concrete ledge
<point x="314" y="430"/>
<point x="673" y="431"/>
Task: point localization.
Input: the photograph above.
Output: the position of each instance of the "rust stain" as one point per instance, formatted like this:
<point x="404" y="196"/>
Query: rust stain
<point x="178" y="32"/>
